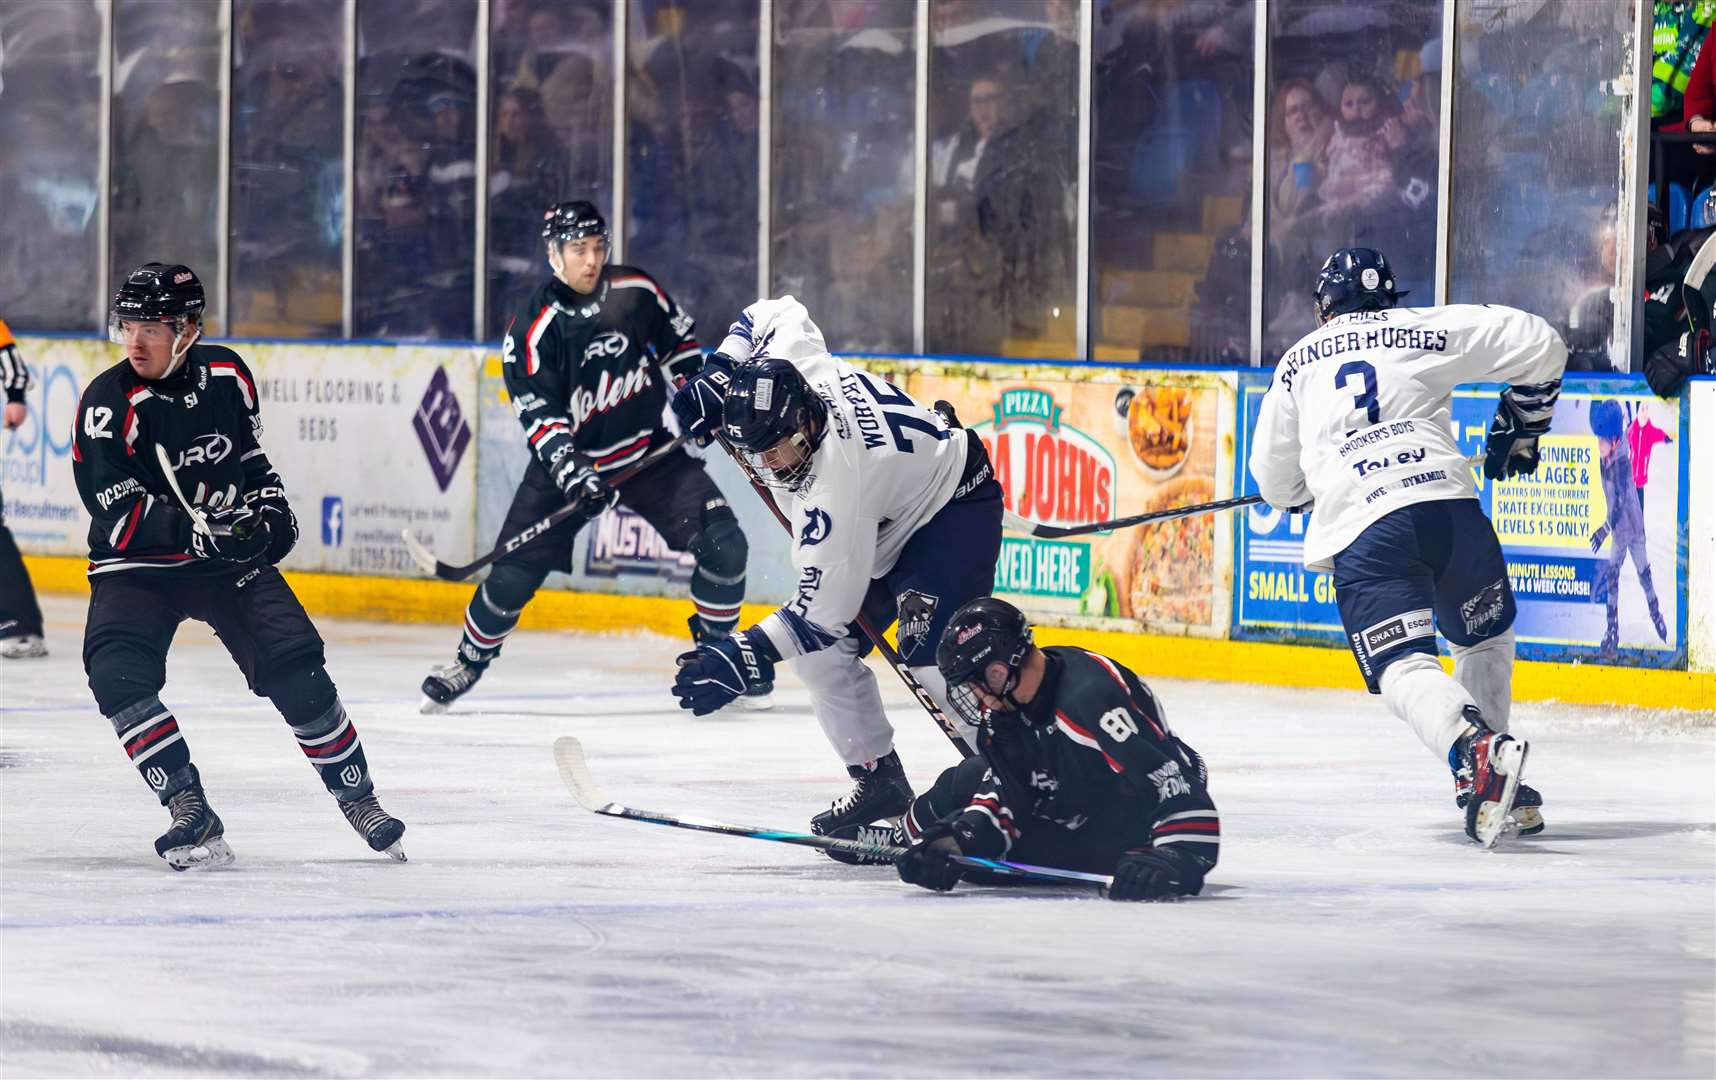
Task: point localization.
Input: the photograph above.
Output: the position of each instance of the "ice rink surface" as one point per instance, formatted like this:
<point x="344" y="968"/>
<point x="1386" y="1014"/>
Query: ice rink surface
<point x="1349" y="930"/>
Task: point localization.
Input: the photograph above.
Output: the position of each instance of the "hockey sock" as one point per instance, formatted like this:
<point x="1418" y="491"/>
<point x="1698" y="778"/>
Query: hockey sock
<point x="310" y="704"/>
<point x="718" y="582"/>
<point x="1486" y="671"/>
<point x="847" y="702"/>
<point x="152" y="739"/>
<point x="931" y="679"/>
<point x="1419" y="692"/>
<point x="487" y="625"/>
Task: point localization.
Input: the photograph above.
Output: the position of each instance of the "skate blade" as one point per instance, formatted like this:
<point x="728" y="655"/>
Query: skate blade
<point x="199" y="857"/>
<point x="431" y="707"/>
<point x="1495" y="820"/>
<point x="394" y="852"/>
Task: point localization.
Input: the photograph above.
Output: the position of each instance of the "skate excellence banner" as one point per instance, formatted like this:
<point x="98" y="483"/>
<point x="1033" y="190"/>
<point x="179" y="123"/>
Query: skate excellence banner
<point x="1072" y="446"/>
<point x="1594" y="539"/>
<point x="369" y="440"/>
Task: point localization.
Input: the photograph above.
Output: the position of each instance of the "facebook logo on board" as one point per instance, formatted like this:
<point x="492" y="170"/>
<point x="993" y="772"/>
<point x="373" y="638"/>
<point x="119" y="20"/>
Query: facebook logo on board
<point x="333" y="520"/>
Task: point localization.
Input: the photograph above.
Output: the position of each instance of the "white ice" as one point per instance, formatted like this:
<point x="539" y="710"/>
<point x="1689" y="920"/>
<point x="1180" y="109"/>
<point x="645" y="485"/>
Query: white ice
<point x="1349" y="930"/>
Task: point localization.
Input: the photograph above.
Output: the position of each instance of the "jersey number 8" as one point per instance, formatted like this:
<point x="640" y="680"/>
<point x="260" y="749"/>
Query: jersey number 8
<point x="1119" y="724"/>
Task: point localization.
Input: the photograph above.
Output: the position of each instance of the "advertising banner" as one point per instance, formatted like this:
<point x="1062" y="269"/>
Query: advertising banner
<point x="42" y="505"/>
<point x="1104" y="445"/>
<point x="1592" y="539"/>
<point x="369" y="440"/>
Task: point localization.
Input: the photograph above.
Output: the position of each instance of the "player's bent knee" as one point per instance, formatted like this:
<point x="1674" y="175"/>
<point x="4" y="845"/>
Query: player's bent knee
<point x="721" y="550"/>
<point x="303" y="693"/>
<point x="120" y="675"/>
<point x="1404" y="665"/>
<point x="510" y="586"/>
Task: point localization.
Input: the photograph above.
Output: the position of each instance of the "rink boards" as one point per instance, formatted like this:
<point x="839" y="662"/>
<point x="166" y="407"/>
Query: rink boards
<point x="373" y="439"/>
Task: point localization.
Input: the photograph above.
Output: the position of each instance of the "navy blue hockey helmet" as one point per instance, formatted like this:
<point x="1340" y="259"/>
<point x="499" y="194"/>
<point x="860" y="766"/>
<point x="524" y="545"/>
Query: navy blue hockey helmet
<point x="572" y="221"/>
<point x="1355" y="279"/>
<point x="774" y="420"/>
<point x="985" y="644"/>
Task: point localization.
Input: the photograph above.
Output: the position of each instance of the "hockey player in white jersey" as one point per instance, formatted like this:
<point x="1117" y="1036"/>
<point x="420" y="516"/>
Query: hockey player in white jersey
<point x="1358" y="422"/>
<point x="895" y="512"/>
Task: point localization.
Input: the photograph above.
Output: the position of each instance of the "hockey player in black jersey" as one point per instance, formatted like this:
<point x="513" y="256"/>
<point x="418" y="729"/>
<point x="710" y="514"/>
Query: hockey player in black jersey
<point x="154" y="565"/>
<point x="589" y="360"/>
<point x="1076" y="769"/>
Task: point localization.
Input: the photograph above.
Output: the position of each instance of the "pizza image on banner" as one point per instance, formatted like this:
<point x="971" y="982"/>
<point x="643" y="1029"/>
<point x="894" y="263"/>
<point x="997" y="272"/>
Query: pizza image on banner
<point x="1071" y="453"/>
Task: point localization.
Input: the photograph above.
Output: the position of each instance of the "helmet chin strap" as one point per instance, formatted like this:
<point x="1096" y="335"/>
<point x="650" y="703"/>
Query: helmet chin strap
<point x="190" y="334"/>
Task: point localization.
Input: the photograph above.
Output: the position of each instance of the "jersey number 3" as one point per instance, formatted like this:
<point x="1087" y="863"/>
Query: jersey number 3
<point x="1365" y="399"/>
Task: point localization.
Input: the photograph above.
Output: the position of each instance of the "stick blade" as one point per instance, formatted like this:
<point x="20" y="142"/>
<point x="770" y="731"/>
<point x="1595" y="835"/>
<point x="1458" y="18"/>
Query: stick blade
<point x="420" y="555"/>
<point x="575" y="774"/>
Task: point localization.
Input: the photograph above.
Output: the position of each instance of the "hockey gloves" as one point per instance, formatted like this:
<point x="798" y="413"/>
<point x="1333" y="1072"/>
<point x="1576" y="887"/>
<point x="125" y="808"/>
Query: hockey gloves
<point x="927" y="863"/>
<point x="713" y="674"/>
<point x="697" y="404"/>
<point x="282" y="523"/>
<point x="236" y="534"/>
<point x="579" y="481"/>
<point x="1156" y="874"/>
<point x="1522" y="417"/>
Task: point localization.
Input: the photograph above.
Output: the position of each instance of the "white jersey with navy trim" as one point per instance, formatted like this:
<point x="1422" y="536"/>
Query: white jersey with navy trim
<point x="1359" y="416"/>
<point x="885" y="466"/>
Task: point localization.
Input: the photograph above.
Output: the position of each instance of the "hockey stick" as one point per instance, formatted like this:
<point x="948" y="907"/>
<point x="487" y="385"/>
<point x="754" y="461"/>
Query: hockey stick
<point x="1014" y="523"/>
<point x="425" y="558"/>
<point x="198" y="521"/>
<point x="575" y="773"/>
<point x="888" y="652"/>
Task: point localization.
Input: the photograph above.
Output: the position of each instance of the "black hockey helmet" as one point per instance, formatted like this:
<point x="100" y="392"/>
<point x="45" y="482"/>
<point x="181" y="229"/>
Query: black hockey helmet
<point x="573" y="221"/>
<point x="985" y="644"/>
<point x="1355" y="279"/>
<point x="768" y="404"/>
<point x="157" y="292"/>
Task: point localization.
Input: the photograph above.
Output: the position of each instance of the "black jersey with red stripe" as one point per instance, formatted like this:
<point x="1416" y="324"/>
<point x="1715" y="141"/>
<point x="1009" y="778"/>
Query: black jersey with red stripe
<point x="590" y="373"/>
<point x="205" y="415"/>
<point x="1097" y="760"/>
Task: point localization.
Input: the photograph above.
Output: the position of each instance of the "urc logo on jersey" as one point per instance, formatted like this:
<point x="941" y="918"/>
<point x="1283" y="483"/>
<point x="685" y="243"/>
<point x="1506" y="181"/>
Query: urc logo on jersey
<point x="209" y="450"/>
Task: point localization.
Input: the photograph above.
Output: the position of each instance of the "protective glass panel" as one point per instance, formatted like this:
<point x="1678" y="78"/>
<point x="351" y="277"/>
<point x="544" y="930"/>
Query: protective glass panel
<point x="1003" y="178"/>
<point x="166" y="141"/>
<point x="50" y="146"/>
<point x="842" y="146"/>
<point x="692" y="154"/>
<point x="416" y="169"/>
<point x="288" y="167"/>
<point x="1171" y="179"/>
<point x="1536" y="171"/>
<point x="1352" y="144"/>
<point x="551" y="133"/>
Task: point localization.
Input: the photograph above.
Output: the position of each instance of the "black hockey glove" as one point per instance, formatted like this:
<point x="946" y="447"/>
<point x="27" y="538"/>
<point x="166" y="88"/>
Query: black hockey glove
<point x="927" y="863"/>
<point x="1156" y="874"/>
<point x="579" y="481"/>
<point x="1511" y="448"/>
<point x="236" y="534"/>
<point x="697" y="404"/>
<point x="277" y="512"/>
<point x="713" y="674"/>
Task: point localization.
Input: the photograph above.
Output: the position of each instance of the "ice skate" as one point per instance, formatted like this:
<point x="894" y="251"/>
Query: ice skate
<point x="379" y="829"/>
<point x="448" y="684"/>
<point x="23" y="647"/>
<point x="1495" y="764"/>
<point x="880" y="835"/>
<point x="1527" y="805"/>
<point x="196" y="839"/>
<point x="882" y="791"/>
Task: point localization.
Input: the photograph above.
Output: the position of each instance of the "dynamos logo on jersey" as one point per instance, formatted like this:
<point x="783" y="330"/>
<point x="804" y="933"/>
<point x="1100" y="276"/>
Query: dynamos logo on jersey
<point x="210" y="450"/>
<point x="609" y="393"/>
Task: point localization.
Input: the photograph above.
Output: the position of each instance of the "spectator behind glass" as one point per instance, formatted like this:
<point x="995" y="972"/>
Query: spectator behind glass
<point x="527" y="172"/>
<point x="1358" y="164"/>
<point x="1299" y="132"/>
<point x="967" y="267"/>
<point x="725" y="227"/>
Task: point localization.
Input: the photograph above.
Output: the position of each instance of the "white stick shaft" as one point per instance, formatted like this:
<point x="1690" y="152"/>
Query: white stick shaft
<point x="198" y="522"/>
